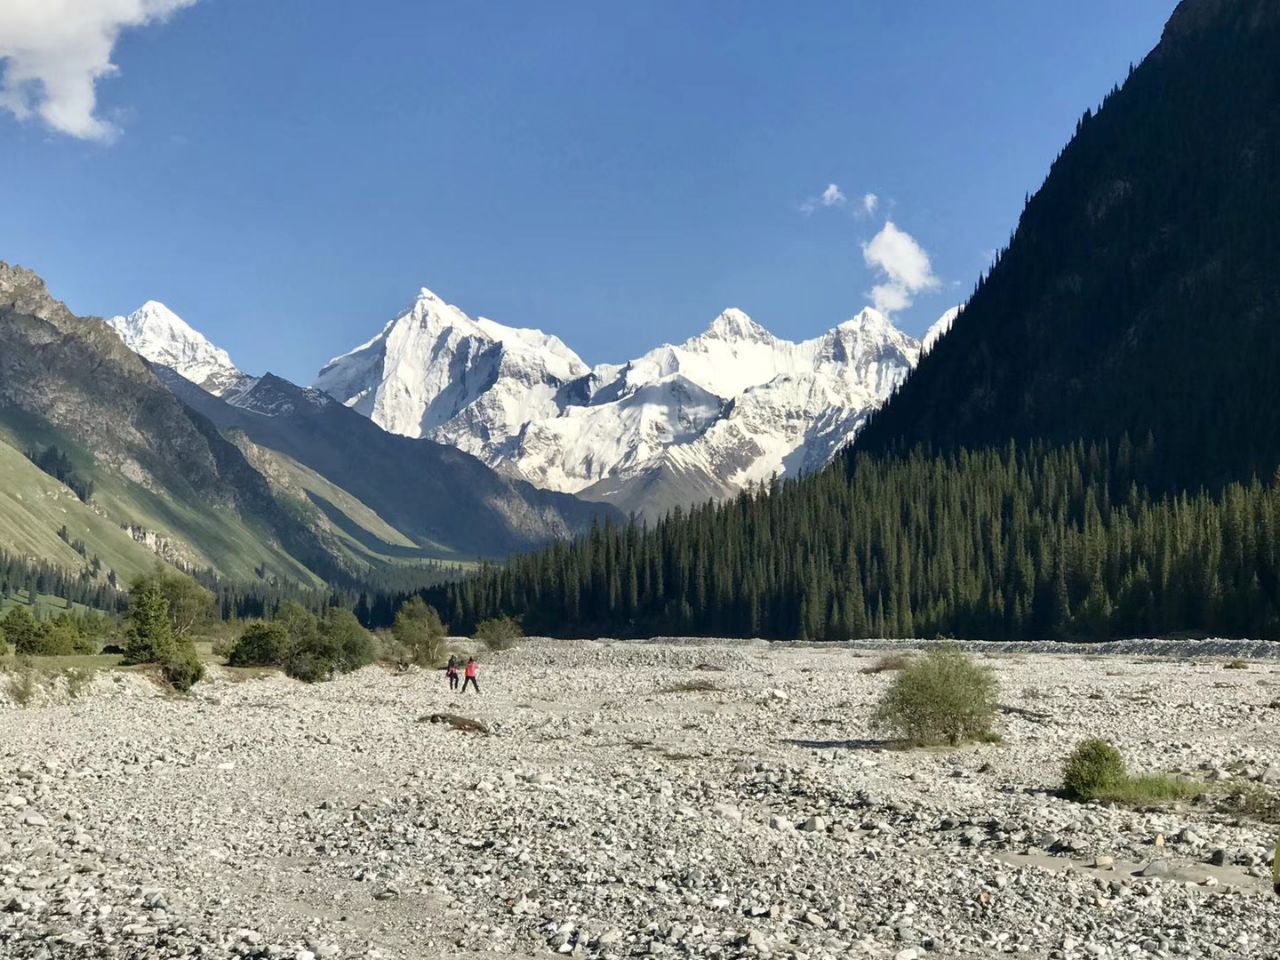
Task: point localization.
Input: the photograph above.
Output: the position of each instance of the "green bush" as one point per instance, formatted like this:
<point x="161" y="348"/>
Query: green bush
<point x="309" y="668"/>
<point x="309" y="648"/>
<point x="500" y="633"/>
<point x="182" y="668"/>
<point x="1093" y="768"/>
<point x="60" y="637"/>
<point x="4" y="646"/>
<point x="942" y="697"/>
<point x="264" y="643"/>
<point x="21" y="630"/>
<point x="418" y="636"/>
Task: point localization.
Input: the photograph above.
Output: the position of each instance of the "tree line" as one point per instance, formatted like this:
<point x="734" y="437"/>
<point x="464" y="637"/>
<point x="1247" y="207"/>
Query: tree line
<point x="1019" y="542"/>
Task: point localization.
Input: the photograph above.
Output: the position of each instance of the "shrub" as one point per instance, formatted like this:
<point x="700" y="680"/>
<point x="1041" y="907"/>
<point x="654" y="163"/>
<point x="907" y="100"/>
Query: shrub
<point x="22" y="683"/>
<point x="60" y="637"/>
<point x="500" y="633"/>
<point x="21" y="630"/>
<point x="342" y="640"/>
<point x="418" y="636"/>
<point x="943" y="697"/>
<point x="309" y="648"/>
<point x="308" y="668"/>
<point x="1093" y="768"/>
<point x="4" y="647"/>
<point x="78" y="680"/>
<point x="264" y="643"/>
<point x="182" y="668"/>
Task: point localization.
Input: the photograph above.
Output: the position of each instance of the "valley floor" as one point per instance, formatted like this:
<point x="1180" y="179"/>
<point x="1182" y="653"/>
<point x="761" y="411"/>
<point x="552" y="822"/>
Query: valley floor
<point x="608" y="815"/>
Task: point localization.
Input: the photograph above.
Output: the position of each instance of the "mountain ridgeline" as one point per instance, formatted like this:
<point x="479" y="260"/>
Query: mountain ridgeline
<point x="1090" y="452"/>
<point x="109" y="463"/>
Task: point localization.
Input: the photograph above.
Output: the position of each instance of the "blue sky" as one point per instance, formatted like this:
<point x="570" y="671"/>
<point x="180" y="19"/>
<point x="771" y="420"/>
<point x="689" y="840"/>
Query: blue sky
<point x="286" y="173"/>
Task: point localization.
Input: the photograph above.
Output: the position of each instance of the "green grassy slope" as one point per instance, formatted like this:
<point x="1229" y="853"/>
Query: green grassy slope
<point x="33" y="506"/>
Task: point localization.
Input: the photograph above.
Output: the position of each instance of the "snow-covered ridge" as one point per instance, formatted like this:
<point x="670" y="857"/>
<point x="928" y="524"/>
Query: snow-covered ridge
<point x="729" y="407"/>
<point x="158" y="334"/>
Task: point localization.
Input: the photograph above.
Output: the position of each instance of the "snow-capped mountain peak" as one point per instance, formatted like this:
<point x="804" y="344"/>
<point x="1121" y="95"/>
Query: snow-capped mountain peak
<point x="158" y="334"/>
<point x="939" y="327"/>
<point x="734" y="325"/>
<point x="730" y="406"/>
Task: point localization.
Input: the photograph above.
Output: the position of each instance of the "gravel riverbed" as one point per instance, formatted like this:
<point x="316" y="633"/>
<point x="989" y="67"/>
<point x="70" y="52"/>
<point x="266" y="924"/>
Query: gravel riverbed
<point x="606" y="814"/>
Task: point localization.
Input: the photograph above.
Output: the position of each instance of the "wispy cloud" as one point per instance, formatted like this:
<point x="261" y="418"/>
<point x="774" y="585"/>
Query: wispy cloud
<point x="869" y="203"/>
<point x="902" y="266"/>
<point x="55" y="51"/>
<point x="832" y="196"/>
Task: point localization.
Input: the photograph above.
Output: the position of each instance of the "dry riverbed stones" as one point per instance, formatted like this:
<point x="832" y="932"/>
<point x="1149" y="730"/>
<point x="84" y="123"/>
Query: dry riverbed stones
<point x="616" y="810"/>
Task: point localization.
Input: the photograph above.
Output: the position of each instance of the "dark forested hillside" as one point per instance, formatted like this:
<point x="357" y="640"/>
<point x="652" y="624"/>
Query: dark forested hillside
<point x="1141" y="290"/>
<point x="996" y="544"/>
<point x="1079" y="457"/>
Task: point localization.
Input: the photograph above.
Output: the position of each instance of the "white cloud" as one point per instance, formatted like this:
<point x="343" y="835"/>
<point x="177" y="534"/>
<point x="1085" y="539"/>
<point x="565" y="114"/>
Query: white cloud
<point x="902" y="265"/>
<point x="869" y="203"/>
<point x="54" y="51"/>
<point x="833" y="196"/>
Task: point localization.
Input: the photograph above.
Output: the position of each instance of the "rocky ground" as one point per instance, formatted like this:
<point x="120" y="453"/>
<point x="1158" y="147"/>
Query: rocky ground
<point x="607" y="815"/>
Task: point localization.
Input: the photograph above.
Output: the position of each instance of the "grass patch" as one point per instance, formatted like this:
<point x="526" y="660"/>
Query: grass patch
<point x="1095" y="770"/>
<point x="1153" y="788"/>
<point x="1252" y="801"/>
<point x="1236" y="664"/>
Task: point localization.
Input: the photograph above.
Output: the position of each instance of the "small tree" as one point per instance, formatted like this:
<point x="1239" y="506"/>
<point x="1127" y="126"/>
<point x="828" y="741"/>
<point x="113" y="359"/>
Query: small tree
<point x="149" y="638"/>
<point x="943" y="697"/>
<point x="191" y="606"/>
<point x="500" y="633"/>
<point x="1093" y="767"/>
<point x="419" y="635"/>
<point x="4" y="646"/>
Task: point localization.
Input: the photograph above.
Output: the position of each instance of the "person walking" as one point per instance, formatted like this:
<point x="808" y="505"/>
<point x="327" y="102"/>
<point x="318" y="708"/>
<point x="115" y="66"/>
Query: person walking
<point x="472" y="671"/>
<point x="451" y="671"/>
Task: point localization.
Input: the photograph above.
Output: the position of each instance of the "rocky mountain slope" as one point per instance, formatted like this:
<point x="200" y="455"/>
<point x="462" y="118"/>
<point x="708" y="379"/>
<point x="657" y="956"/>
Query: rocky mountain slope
<point x="730" y="407"/>
<point x="161" y="471"/>
<point x="445" y="503"/>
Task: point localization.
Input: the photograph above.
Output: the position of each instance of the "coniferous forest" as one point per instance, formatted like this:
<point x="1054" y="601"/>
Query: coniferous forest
<point x="1032" y="543"/>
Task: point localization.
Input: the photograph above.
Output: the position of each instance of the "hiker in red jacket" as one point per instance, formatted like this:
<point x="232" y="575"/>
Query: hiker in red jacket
<point x="471" y="671"/>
